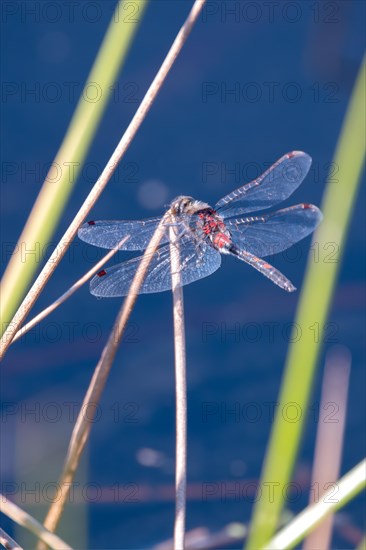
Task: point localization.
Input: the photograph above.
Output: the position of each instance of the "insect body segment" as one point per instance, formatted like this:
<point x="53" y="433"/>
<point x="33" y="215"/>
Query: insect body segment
<point x="214" y="227"/>
<point x="204" y="233"/>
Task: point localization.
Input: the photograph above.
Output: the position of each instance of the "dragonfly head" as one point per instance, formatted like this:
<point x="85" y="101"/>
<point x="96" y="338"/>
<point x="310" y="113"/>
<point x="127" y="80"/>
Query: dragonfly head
<point x="181" y="204"/>
<point x="186" y="205"/>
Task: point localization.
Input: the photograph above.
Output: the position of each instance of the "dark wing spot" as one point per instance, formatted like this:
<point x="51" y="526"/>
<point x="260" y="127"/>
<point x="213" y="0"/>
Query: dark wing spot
<point x="91" y="222"/>
<point x="101" y="273"/>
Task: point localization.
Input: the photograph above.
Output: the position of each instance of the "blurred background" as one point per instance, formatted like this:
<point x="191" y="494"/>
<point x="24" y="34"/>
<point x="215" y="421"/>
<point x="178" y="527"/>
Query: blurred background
<point x="254" y="81"/>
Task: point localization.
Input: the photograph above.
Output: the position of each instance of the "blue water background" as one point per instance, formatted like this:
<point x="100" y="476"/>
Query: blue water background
<point x="199" y="139"/>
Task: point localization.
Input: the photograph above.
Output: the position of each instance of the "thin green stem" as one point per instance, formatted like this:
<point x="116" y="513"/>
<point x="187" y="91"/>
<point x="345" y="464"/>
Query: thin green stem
<point x="348" y="487"/>
<point x="312" y="313"/>
<point x="61" y="178"/>
<point x="104" y="178"/>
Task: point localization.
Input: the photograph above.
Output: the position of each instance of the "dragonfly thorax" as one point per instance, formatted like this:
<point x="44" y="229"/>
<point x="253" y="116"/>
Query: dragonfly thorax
<point x="205" y="233"/>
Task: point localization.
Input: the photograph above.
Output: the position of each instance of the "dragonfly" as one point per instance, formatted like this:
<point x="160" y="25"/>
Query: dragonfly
<point x="204" y="233"/>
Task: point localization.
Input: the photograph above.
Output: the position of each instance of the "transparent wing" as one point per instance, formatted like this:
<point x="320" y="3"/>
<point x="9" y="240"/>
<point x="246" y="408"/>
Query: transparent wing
<point x="272" y="187"/>
<point x="272" y="233"/>
<point x="107" y="234"/>
<point x="197" y="260"/>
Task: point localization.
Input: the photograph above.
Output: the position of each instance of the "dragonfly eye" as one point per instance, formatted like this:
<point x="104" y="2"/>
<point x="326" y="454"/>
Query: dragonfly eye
<point x="181" y="204"/>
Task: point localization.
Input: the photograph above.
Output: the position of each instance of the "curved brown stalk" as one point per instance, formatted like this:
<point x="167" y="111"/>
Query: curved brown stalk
<point x="83" y="424"/>
<point x="28" y="522"/>
<point x="66" y="295"/>
<point x="7" y="542"/>
<point x="327" y="465"/>
<point x="103" y="179"/>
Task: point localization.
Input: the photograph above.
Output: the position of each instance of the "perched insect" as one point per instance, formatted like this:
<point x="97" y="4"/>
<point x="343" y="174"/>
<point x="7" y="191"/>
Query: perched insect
<point x="204" y="233"/>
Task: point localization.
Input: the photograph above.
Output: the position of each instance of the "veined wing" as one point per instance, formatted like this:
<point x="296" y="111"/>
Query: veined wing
<point x="197" y="260"/>
<point x="107" y="234"/>
<point x="272" y="187"/>
<point x="272" y="233"/>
